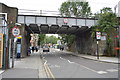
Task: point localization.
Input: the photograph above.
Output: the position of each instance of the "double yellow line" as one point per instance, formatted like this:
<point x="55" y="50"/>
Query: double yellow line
<point x="48" y="72"/>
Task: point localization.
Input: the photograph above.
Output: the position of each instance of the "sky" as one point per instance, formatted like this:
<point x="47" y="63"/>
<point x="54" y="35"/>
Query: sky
<point x="54" y="5"/>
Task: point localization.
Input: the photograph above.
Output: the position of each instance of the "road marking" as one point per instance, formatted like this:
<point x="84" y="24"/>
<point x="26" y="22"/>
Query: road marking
<point x="57" y="66"/>
<point x="101" y="72"/>
<point x="88" y="68"/>
<point x="1" y="71"/>
<point x="112" y="70"/>
<point x="53" y="66"/>
<point x="49" y="72"/>
<point x="45" y="62"/>
<point x="70" y="61"/>
<point x="80" y="65"/>
<point x="62" y="58"/>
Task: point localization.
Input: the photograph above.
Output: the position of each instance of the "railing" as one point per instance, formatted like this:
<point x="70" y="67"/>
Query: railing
<point x="38" y="12"/>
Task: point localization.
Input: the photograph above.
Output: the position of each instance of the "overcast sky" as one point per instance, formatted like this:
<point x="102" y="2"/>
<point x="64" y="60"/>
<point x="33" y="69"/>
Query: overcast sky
<point x="53" y="5"/>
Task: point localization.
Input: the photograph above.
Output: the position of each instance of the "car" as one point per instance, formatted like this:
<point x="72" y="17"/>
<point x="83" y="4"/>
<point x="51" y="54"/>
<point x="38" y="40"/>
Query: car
<point x="46" y="49"/>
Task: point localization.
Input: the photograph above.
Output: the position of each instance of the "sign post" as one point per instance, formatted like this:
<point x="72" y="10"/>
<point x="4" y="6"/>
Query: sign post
<point x="16" y="33"/>
<point x="98" y="38"/>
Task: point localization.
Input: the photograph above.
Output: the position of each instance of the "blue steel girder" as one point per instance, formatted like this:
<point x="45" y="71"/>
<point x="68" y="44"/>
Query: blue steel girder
<point x="55" y="24"/>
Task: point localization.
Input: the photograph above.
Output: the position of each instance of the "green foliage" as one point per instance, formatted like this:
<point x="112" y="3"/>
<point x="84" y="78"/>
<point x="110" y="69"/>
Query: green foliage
<point x="50" y="39"/>
<point x="41" y="39"/>
<point x="69" y="39"/>
<point x="77" y="9"/>
<point x="107" y="21"/>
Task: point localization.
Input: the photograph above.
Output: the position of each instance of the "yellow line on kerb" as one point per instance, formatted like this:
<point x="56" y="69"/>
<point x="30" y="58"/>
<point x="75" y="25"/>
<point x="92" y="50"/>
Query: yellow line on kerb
<point x="49" y="73"/>
<point x="46" y="71"/>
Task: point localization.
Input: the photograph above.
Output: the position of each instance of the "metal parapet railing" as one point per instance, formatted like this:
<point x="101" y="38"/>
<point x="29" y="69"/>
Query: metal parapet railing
<point x="38" y="12"/>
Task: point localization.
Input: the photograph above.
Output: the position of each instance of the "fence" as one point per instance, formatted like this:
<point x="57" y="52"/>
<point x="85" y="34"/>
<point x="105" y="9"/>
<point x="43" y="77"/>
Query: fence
<point x="39" y="12"/>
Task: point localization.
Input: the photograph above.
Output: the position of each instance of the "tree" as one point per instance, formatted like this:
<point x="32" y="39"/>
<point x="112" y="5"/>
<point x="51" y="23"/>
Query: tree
<point x="69" y="39"/>
<point x="50" y="39"/>
<point x="41" y="39"/>
<point x="76" y="9"/>
<point x="107" y="21"/>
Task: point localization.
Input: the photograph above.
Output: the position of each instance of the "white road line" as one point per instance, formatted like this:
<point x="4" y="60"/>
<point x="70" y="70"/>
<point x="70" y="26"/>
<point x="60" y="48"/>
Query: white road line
<point x="1" y="71"/>
<point x="45" y="62"/>
<point x="88" y="68"/>
<point x="70" y="61"/>
<point x="112" y="70"/>
<point x="79" y="64"/>
<point x="62" y="58"/>
<point x="57" y="66"/>
<point x="101" y="72"/>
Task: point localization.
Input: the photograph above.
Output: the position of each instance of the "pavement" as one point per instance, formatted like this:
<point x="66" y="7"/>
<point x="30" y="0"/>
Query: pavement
<point x="101" y="58"/>
<point x="29" y="67"/>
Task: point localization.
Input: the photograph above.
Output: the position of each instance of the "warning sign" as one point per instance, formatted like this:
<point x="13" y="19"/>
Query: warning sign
<point x="15" y="31"/>
<point x="98" y="35"/>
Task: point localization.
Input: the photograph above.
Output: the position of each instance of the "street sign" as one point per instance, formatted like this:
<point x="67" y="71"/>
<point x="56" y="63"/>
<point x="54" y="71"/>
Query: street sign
<point x="98" y="35"/>
<point x="15" y="31"/>
<point x="65" y="20"/>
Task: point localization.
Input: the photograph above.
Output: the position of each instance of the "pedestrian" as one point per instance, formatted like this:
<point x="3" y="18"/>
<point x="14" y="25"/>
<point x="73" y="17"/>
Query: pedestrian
<point x="29" y="52"/>
<point x="36" y="49"/>
<point x="33" y="49"/>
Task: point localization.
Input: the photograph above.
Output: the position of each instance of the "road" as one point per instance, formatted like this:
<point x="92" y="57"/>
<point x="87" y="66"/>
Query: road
<point x="64" y="65"/>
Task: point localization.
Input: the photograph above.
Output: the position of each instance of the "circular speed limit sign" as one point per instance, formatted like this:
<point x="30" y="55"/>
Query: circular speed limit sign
<point x="15" y="31"/>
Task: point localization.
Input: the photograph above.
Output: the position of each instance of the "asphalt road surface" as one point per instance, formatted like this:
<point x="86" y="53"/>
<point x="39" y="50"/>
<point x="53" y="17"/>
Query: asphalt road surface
<point x="64" y="65"/>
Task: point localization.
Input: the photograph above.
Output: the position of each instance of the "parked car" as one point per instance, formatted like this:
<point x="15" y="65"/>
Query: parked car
<point x="46" y="49"/>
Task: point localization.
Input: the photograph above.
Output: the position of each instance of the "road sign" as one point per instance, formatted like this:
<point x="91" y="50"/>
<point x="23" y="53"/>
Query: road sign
<point x="65" y="20"/>
<point x="98" y="35"/>
<point x="15" y="31"/>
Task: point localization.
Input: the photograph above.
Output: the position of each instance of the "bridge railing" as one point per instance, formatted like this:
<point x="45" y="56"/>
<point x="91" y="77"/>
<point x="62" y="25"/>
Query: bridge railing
<point x="38" y="12"/>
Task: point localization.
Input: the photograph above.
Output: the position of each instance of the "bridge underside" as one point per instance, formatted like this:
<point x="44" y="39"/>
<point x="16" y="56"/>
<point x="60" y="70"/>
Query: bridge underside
<point x="55" y="29"/>
<point x="56" y="24"/>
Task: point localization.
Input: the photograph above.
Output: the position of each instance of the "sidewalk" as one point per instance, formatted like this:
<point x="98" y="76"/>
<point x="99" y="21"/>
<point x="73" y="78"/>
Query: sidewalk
<point x="29" y="67"/>
<point x="101" y="58"/>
